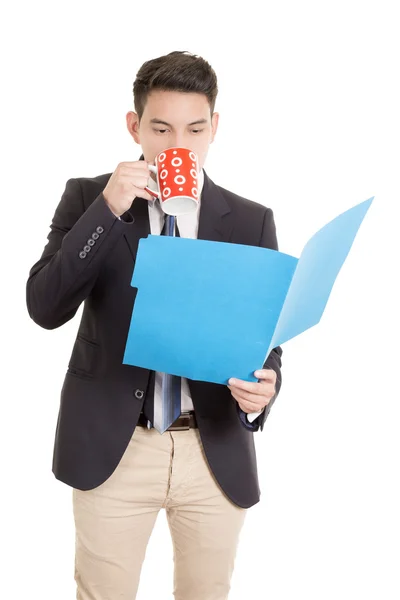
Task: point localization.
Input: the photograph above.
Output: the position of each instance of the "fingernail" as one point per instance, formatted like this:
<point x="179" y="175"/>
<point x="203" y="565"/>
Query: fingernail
<point x="232" y="381"/>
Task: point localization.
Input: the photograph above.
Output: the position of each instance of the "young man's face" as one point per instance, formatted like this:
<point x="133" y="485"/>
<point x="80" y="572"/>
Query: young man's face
<point x="177" y="119"/>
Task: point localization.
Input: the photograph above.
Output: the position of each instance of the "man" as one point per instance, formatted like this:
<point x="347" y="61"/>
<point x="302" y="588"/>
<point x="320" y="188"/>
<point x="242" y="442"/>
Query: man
<point x="202" y="469"/>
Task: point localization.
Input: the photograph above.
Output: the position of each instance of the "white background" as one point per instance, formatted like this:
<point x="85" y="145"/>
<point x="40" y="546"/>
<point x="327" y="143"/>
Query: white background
<point x="309" y="102"/>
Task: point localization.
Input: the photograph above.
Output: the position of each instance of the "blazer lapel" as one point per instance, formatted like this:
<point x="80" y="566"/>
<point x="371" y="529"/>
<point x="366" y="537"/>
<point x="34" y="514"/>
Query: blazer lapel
<point x="215" y="219"/>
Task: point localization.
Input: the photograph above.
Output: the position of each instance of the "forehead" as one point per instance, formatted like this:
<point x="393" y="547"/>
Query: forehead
<point x="176" y="107"/>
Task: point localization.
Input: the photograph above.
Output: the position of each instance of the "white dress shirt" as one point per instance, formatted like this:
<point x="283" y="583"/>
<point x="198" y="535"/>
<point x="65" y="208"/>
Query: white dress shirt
<point x="188" y="226"/>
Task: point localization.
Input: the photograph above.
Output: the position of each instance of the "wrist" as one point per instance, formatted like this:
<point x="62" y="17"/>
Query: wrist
<point x="115" y="212"/>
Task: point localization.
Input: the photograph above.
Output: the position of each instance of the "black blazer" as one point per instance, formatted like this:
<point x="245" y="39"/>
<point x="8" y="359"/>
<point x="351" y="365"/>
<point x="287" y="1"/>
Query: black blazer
<point x="89" y="257"/>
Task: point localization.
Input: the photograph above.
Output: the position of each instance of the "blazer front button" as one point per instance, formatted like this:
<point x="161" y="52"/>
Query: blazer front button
<point x="139" y="394"/>
<point x="99" y="229"/>
<point x="82" y="254"/>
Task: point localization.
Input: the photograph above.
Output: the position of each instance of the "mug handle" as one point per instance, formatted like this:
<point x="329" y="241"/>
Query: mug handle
<point x="148" y="190"/>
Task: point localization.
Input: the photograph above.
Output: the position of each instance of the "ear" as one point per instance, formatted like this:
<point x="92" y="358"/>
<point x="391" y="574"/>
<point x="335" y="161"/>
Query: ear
<point x="132" y="123"/>
<point x="214" y="125"/>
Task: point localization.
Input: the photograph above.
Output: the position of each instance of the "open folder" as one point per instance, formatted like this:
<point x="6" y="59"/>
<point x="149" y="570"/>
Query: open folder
<point x="214" y="310"/>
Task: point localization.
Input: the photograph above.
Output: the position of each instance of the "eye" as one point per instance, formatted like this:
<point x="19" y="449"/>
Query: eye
<point x="160" y="130"/>
<point x="197" y="130"/>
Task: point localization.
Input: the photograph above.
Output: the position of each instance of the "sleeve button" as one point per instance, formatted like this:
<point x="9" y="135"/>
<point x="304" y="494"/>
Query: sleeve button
<point x="99" y="229"/>
<point x="82" y="254"/>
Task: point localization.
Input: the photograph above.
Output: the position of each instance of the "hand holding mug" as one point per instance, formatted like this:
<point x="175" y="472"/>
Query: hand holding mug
<point x="128" y="181"/>
<point x="177" y="171"/>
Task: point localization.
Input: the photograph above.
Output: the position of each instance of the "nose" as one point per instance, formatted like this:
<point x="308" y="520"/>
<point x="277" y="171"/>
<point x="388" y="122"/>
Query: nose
<point x="178" y="140"/>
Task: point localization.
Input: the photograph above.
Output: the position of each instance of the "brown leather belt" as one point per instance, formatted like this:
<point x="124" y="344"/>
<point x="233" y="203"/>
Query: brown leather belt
<point x="185" y="421"/>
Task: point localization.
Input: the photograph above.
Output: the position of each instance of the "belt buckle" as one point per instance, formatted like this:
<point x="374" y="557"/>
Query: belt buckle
<point x="185" y="425"/>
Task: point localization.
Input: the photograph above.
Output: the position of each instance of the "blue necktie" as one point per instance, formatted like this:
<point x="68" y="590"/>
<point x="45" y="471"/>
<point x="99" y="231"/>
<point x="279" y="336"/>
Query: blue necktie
<point x="163" y="413"/>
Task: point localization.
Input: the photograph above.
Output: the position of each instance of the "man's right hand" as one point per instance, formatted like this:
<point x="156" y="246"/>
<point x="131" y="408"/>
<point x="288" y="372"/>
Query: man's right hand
<point x="125" y="184"/>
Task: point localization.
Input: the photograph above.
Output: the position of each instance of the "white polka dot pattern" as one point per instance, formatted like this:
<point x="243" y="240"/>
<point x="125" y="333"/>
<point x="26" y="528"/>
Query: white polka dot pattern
<point x="178" y="177"/>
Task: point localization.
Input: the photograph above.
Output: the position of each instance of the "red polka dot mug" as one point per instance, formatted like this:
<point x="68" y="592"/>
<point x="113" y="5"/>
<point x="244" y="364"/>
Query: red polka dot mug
<point x="177" y="171"/>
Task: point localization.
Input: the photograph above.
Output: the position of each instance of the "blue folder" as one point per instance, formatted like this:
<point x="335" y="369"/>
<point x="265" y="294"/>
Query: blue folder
<point x="214" y="310"/>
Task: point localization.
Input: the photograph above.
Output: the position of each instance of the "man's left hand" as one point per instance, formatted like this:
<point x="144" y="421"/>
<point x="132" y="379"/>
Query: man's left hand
<point x="254" y="397"/>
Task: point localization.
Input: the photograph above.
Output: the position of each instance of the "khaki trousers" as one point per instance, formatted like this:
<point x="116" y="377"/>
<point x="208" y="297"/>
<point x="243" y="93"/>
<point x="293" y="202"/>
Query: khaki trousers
<point x="114" y="521"/>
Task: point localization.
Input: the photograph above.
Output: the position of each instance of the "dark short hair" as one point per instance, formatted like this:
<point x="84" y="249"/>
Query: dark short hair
<point x="176" y="72"/>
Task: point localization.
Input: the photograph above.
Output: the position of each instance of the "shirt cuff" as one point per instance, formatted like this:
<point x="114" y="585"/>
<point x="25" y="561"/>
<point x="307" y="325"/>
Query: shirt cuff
<point x="253" y="416"/>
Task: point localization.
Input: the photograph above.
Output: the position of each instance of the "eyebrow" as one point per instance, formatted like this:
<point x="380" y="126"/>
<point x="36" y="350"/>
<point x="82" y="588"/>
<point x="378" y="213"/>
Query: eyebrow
<point x="161" y="122"/>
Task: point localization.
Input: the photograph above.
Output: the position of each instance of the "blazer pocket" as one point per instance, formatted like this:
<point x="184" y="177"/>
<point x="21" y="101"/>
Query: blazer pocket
<point x="84" y="357"/>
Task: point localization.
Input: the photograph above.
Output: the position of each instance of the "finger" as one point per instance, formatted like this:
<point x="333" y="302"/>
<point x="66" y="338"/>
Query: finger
<point x="251" y="403"/>
<point x="265" y="374"/>
<point x="248" y="386"/>
<point x="142" y="194"/>
<point x="138" y="164"/>
<point x="250" y="398"/>
<point x="139" y="181"/>
<point x="248" y="408"/>
<point x="147" y="196"/>
<point x="134" y="169"/>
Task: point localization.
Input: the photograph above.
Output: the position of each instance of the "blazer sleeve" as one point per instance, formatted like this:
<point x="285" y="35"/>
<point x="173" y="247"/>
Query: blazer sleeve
<point x="273" y="361"/>
<point x="78" y="242"/>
